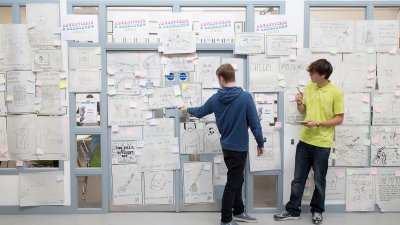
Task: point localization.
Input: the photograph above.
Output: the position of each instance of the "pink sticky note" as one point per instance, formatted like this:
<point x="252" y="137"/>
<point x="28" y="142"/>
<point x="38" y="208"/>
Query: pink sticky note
<point x="370" y="83"/>
<point x="64" y="103"/>
<point x="371" y="76"/>
<point x="292" y="97"/>
<point x="373" y="171"/>
<point x="278" y="125"/>
<point x="393" y="50"/>
<point x="63" y="75"/>
<point x="377" y="109"/>
<point x="128" y="86"/>
<point x="64" y="121"/>
<point x="397" y="93"/>
<point x="19" y="163"/>
<point x="38" y="83"/>
<point x="371" y="68"/>
<point x="114" y="161"/>
<point x="349" y="207"/>
<point x="292" y="57"/>
<point x="397" y="130"/>
<point x="397" y="173"/>
<point x="365" y="99"/>
<point x="374" y="140"/>
<point x="269" y="97"/>
<point x="295" y="45"/>
<point x="340" y="174"/>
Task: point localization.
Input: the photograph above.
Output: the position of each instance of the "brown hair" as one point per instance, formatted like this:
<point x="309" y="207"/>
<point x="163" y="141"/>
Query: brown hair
<point x="227" y="72"/>
<point x="321" y="66"/>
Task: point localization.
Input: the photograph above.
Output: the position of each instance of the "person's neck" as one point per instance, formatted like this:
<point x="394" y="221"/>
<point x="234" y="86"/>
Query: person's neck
<point x="323" y="83"/>
<point x="230" y="84"/>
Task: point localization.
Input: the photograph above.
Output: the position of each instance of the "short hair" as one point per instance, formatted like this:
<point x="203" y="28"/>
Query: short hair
<point x="227" y="72"/>
<point x="321" y="66"/>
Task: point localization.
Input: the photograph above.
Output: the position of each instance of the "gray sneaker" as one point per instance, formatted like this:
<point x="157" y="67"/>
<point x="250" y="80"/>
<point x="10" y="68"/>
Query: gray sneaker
<point x="244" y="218"/>
<point x="285" y="216"/>
<point x="230" y="223"/>
<point x="317" y="218"/>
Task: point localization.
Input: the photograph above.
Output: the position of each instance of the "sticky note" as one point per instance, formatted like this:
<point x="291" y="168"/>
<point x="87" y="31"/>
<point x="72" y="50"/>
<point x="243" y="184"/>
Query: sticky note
<point x="19" y="163"/>
<point x="366" y="109"/>
<point x="142" y="82"/>
<point x="278" y="125"/>
<point x="378" y="99"/>
<point x="9" y="98"/>
<point x="175" y="149"/>
<point x="367" y="142"/>
<point x="149" y="91"/>
<point x="373" y="171"/>
<point x="397" y="130"/>
<point x="207" y="167"/>
<point x="114" y="128"/>
<point x="63" y="84"/>
<point x="161" y="48"/>
<point x="281" y="76"/>
<point x="153" y="122"/>
<point x="340" y="174"/>
<point x="393" y="50"/>
<point x="146" y="99"/>
<point x="217" y="159"/>
<point x="388" y="129"/>
<point x="282" y="83"/>
<point x="110" y="71"/>
<point x="302" y="82"/>
<point x="112" y="91"/>
<point x="333" y="50"/>
<point x="184" y="87"/>
<point x="132" y="104"/>
<point x="39" y="151"/>
<point x="374" y="140"/>
<point x="177" y="90"/>
<point x="114" y="160"/>
<point x="110" y="82"/>
<point x="292" y="97"/>
<point x="57" y="42"/>
<point x="63" y="75"/>
<point x="156" y="82"/>
<point x="215" y="84"/>
<point x="39" y="83"/>
<point x="295" y="45"/>
<point x="2" y="80"/>
<point x="397" y="173"/>
<point x="397" y="94"/>
<point x="235" y="67"/>
<point x="333" y="155"/>
<point x="292" y="57"/>
<point x="371" y="68"/>
<point x="370" y="50"/>
<point x="365" y="99"/>
<point x="349" y="172"/>
<point x="149" y="115"/>
<point x="188" y="168"/>
<point x="173" y="141"/>
<point x="64" y="103"/>
<point x="140" y="144"/>
<point x="371" y="76"/>
<point x="37" y="108"/>
<point x="60" y="177"/>
<point x="370" y="83"/>
<point x="128" y="85"/>
<point x="138" y="73"/>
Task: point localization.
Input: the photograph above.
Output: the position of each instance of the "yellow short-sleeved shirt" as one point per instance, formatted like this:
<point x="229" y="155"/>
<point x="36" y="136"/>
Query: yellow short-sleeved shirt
<point x="321" y="104"/>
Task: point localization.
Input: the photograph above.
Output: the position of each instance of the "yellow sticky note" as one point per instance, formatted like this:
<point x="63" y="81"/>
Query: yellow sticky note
<point x="9" y="98"/>
<point x="333" y="50"/>
<point x="63" y="84"/>
<point x="349" y="172"/>
<point x="370" y="50"/>
<point x="184" y="87"/>
<point x="282" y="83"/>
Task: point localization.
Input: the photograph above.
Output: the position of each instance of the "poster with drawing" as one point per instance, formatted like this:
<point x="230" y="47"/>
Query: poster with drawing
<point x="21" y="136"/>
<point x="292" y="115"/>
<point x="43" y="23"/>
<point x="84" y="58"/>
<point x="14" y="46"/>
<point x="357" y="108"/>
<point x="78" y="27"/>
<point x="131" y="133"/>
<point x="166" y="97"/>
<point x="386" y="106"/>
<point x="192" y="138"/>
<point x="267" y="108"/>
<point x="179" y="63"/>
<point x="271" y="160"/>
<point x="332" y="36"/>
<point x="263" y="74"/>
<point x="360" y="66"/>
<point x="4" y="154"/>
<point x="212" y="138"/>
<point x="377" y="35"/>
<point x="191" y="94"/>
<point x="280" y="45"/>
<point x="198" y="184"/>
<point x="126" y="185"/>
<point x="335" y="184"/>
<point x="220" y="170"/>
<point x="206" y="71"/>
<point x="238" y="65"/>
<point x="46" y="59"/>
<point x="49" y="96"/>
<point x="20" y="92"/>
<point x="127" y="110"/>
<point x="124" y="152"/>
<point x="360" y="190"/>
<point x="124" y="84"/>
<point x="387" y="189"/>
<point x="249" y="43"/>
<point x="159" y="128"/>
<point x="130" y="25"/>
<point x="387" y="71"/>
<point x="179" y="42"/>
<point x="385" y="150"/>
<point x="294" y="72"/>
<point x="351" y="146"/>
<point x="159" y="154"/>
<point x="206" y="94"/>
<point x="41" y="188"/>
<point x="159" y="188"/>
<point x="52" y="138"/>
<point x="84" y="81"/>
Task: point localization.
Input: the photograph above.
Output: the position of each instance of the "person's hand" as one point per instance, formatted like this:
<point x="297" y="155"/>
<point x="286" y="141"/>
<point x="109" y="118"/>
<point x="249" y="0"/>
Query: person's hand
<point x="183" y="109"/>
<point x="299" y="98"/>
<point x="260" y="152"/>
<point x="311" y="123"/>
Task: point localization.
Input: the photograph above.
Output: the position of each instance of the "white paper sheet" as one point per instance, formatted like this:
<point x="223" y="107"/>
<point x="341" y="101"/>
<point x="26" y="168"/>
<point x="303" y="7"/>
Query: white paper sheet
<point x="192" y="138"/>
<point x="159" y="128"/>
<point x="84" y="81"/>
<point x="164" y="98"/>
<point x="191" y="94"/>
<point x="212" y="143"/>
<point x="159" y="188"/>
<point x="46" y="59"/>
<point x="271" y="160"/>
<point x="179" y="42"/>
<point x="360" y="190"/>
<point x="387" y="189"/>
<point x="357" y="111"/>
<point x="386" y="106"/>
<point x="379" y="35"/>
<point x="387" y="71"/>
<point x="160" y="154"/>
<point x="14" y="46"/>
<point x="83" y="58"/>
<point x="52" y="138"/>
<point x="77" y="27"/>
<point x="385" y="150"/>
<point x="263" y="73"/>
<point x="198" y="183"/>
<point x="279" y="45"/>
<point x="356" y="73"/>
<point x="20" y="92"/>
<point x="21" y="134"/>
<point x="249" y="43"/>
<point x="130" y="24"/>
<point x="132" y="133"/>
<point x="123" y="152"/>
<point x="206" y="71"/>
<point x="50" y="95"/>
<point x="4" y="154"/>
<point x="267" y="108"/>
<point x="121" y="113"/>
<point x="127" y="185"/>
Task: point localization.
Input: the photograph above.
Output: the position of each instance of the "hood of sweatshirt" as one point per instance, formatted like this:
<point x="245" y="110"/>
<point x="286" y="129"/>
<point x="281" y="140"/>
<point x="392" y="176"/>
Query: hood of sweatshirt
<point x="228" y="94"/>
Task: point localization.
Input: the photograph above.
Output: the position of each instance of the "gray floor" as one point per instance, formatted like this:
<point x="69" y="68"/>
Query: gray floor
<point x="191" y="219"/>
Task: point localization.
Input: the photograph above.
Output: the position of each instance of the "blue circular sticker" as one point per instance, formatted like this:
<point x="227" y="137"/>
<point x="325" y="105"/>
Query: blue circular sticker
<point x="170" y="77"/>
<point x="183" y="76"/>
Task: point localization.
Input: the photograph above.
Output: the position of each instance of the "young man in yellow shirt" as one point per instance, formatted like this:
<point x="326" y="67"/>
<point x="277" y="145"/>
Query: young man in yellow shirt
<point x="322" y="104"/>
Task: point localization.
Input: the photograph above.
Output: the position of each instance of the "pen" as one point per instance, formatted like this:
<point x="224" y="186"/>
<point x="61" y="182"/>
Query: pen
<point x="299" y="90"/>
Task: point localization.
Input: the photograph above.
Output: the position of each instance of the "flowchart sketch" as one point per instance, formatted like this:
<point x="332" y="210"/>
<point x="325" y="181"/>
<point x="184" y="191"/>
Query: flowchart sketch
<point x="220" y="170"/>
<point x="14" y="45"/>
<point x="267" y="107"/>
<point x="124" y="152"/>
<point x="47" y="59"/>
<point x="179" y="42"/>
<point x="159" y="188"/>
<point x="43" y="188"/>
<point x="360" y="190"/>
<point x="83" y="58"/>
<point x="4" y="154"/>
<point x="292" y="115"/>
<point x="159" y="128"/>
<point x="280" y="45"/>
<point x="357" y="108"/>
<point x="192" y="138"/>
<point x="198" y="184"/>
<point x="249" y="43"/>
<point x="43" y="23"/>
<point x="126" y="185"/>
<point x="127" y="110"/>
<point x="206" y="94"/>
<point x="387" y="71"/>
<point x="160" y="154"/>
<point x="49" y="96"/>
<point x="20" y="92"/>
<point x="386" y="106"/>
<point x="328" y="36"/>
<point x="294" y="72"/>
<point x="124" y="84"/>
<point x="131" y="133"/>
<point x="166" y="97"/>
<point x="263" y="73"/>
<point x="359" y="72"/>
<point x="351" y="146"/>
<point x="335" y="184"/>
<point x="385" y="150"/>
<point x="271" y="160"/>
<point x="179" y="63"/>
<point x="84" y="81"/>
<point x="21" y="135"/>
<point x="212" y="138"/>
<point x="52" y="140"/>
<point x="238" y="65"/>
<point x="387" y="189"/>
<point x="377" y="35"/>
<point x="206" y="71"/>
<point x="191" y="94"/>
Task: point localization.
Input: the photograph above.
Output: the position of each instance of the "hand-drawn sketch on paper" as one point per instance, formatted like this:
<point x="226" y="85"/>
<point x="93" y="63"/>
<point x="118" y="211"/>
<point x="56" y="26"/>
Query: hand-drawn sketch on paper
<point x="179" y="42"/>
<point x="327" y="36"/>
<point x="387" y="69"/>
<point x="360" y="190"/>
<point x="385" y="150"/>
<point x="124" y="83"/>
<point x="198" y="184"/>
<point x="21" y="134"/>
<point x="206" y="71"/>
<point x="84" y="58"/>
<point x="351" y="146"/>
<point x="84" y="81"/>
<point x="43" y="22"/>
<point x="335" y="184"/>
<point x="126" y="185"/>
<point x="127" y="110"/>
<point x="4" y="154"/>
<point x="159" y="128"/>
<point x="159" y="188"/>
<point x="238" y="65"/>
<point x="249" y="43"/>
<point x="123" y="152"/>
<point x="191" y="94"/>
<point x="357" y="109"/>
<point x="206" y="94"/>
<point x="211" y="138"/>
<point x="357" y="76"/>
<point x="132" y="133"/>
<point x="294" y="72"/>
<point x="3" y="107"/>
<point x="220" y="170"/>
<point x="271" y="160"/>
<point x="386" y="106"/>
<point x="387" y="190"/>
<point x="53" y="138"/>
<point x="46" y="59"/>
<point x="280" y="45"/>
<point x="21" y="92"/>
<point x="380" y="35"/>
<point x="160" y="154"/>
<point x="43" y="188"/>
<point x="163" y="98"/>
<point x="50" y="94"/>
<point x="266" y="105"/>
<point x="179" y="63"/>
<point x="263" y="73"/>
<point x="291" y="112"/>
<point x="192" y="138"/>
<point x="15" y="47"/>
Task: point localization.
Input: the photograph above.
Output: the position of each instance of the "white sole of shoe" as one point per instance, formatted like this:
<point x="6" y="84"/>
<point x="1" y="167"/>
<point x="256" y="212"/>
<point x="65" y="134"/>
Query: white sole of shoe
<point x="246" y="221"/>
<point x="287" y="218"/>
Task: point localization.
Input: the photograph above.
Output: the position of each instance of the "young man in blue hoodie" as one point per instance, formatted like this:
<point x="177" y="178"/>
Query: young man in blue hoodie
<point x="235" y="112"/>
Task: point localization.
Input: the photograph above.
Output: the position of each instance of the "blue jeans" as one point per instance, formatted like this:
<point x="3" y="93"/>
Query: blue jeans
<point x="308" y="156"/>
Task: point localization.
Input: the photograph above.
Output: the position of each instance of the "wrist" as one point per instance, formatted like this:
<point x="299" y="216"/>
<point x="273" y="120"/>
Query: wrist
<point x="299" y="103"/>
<point x="318" y="124"/>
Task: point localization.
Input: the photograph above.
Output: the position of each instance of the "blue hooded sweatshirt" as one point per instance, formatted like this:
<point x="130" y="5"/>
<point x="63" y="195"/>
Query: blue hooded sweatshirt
<point x="235" y="112"/>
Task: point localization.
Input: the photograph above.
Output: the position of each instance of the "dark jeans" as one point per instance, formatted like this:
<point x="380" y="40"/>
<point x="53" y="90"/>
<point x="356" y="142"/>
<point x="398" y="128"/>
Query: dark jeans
<point x="308" y="156"/>
<point x="232" y="198"/>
